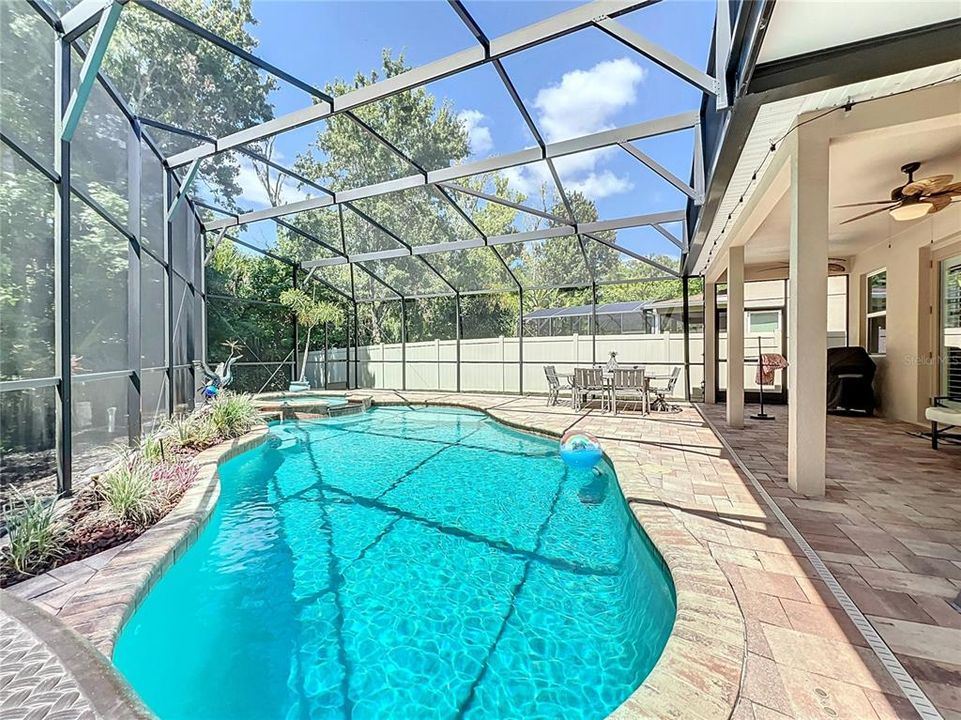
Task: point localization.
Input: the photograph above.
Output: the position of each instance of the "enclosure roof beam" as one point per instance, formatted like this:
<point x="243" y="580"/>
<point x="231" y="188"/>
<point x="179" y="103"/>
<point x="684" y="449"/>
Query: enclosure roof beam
<point x="553" y="27"/>
<point x="380" y="280"/>
<point x="293" y="228"/>
<point x="83" y="16"/>
<point x="505" y="203"/>
<point x="593" y="141"/>
<point x="663" y="172"/>
<point x="670" y="236"/>
<point x="667" y="60"/>
<point x="324" y="100"/>
<point x="184" y="188"/>
<point x="272" y="256"/>
<point x="512" y="238"/>
<point x="253" y="155"/>
<point x="327" y="285"/>
<point x="106" y="22"/>
<point x="637" y="256"/>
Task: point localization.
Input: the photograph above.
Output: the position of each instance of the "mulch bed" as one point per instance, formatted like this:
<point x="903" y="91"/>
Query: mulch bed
<point x="91" y="531"/>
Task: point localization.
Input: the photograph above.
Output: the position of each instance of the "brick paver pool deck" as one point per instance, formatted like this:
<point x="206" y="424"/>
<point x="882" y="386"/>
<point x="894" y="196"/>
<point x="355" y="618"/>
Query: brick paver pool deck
<point x="759" y="635"/>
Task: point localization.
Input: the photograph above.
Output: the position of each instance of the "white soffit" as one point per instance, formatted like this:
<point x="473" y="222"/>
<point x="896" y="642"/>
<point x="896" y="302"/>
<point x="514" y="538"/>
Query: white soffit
<point x="775" y="119"/>
<point x="803" y="26"/>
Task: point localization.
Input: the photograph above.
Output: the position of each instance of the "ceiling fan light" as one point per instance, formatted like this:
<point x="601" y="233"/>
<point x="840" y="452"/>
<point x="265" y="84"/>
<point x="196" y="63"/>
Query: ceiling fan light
<point x="910" y="211"/>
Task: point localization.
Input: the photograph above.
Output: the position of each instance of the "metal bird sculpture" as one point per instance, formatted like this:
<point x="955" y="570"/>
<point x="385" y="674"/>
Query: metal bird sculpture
<point x="223" y="375"/>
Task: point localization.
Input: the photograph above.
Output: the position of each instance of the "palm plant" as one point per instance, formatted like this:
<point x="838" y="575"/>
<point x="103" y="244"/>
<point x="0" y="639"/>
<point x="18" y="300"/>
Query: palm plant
<point x="310" y="313"/>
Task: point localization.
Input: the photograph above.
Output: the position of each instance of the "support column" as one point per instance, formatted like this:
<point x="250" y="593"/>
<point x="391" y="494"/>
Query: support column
<point x="686" y="321"/>
<point x="807" y="314"/>
<point x="710" y="342"/>
<point x="62" y="344"/>
<point x="735" y="336"/>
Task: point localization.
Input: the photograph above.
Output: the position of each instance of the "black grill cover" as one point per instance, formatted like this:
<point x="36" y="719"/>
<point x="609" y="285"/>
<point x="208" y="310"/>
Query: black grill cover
<point x="850" y="379"/>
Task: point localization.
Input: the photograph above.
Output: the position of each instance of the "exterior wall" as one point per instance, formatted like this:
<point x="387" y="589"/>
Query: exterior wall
<point x="907" y="373"/>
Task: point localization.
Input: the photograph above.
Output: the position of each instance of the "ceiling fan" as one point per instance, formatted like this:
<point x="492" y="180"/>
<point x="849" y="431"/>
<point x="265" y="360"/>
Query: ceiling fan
<point x="914" y="199"/>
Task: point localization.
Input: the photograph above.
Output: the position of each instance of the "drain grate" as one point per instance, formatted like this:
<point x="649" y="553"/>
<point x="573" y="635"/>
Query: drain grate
<point x="908" y="686"/>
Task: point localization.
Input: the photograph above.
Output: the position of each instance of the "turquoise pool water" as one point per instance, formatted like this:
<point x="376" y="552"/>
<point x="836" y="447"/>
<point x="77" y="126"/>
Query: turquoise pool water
<point x="403" y="563"/>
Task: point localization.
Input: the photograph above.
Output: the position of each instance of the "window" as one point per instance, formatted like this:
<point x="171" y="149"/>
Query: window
<point x="951" y="328"/>
<point x="876" y="317"/>
<point x="764" y="321"/>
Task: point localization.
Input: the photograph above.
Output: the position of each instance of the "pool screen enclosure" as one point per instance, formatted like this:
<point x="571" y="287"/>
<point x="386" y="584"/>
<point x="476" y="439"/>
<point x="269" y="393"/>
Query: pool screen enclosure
<point x="133" y="247"/>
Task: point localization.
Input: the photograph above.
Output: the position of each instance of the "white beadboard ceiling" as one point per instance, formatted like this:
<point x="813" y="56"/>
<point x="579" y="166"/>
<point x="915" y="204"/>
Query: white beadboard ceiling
<point x="775" y="119"/>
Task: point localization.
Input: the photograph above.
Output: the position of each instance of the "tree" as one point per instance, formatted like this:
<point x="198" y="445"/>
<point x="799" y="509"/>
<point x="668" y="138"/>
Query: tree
<point x="428" y="131"/>
<point x="169" y="74"/>
<point x="310" y="313"/>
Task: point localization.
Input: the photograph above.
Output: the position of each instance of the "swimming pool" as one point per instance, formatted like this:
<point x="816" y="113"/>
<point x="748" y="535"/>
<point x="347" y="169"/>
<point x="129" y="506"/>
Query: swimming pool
<point x="404" y="563"/>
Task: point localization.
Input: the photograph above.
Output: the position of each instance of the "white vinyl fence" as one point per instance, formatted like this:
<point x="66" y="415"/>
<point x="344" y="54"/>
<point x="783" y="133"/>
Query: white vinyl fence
<point x="491" y="364"/>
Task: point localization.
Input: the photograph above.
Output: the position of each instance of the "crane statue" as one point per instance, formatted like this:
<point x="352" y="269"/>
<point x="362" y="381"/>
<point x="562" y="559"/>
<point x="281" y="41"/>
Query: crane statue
<point x="223" y="375"/>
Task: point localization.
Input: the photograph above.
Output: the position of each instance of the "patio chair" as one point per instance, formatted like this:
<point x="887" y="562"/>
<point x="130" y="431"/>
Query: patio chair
<point x="627" y="383"/>
<point x="553" y="384"/>
<point x="944" y="414"/>
<point x="662" y="392"/>
<point x="588" y="383"/>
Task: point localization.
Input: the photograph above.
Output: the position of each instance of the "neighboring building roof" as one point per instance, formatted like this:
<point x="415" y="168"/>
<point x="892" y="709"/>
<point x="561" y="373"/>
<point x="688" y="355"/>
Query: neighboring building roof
<point x="584" y="310"/>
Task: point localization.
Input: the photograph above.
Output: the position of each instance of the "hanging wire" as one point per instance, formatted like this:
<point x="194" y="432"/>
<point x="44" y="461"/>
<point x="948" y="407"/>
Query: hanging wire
<point x="776" y="143"/>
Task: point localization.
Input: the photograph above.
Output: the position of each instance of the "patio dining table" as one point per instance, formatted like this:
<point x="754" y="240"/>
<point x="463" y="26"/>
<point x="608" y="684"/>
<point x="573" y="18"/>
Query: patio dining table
<point x="612" y="389"/>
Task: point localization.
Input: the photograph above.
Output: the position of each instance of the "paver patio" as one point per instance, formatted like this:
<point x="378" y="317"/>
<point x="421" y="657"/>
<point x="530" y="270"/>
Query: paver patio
<point x="889" y="530"/>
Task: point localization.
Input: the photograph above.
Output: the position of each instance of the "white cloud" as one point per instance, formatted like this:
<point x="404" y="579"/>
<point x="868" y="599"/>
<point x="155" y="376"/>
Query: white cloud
<point x="599" y="185"/>
<point x="252" y="189"/>
<point x="583" y="102"/>
<point x="478" y="135"/>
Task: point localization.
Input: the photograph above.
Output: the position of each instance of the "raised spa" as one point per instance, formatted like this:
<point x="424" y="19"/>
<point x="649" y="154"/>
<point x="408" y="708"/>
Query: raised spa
<point x="404" y="563"/>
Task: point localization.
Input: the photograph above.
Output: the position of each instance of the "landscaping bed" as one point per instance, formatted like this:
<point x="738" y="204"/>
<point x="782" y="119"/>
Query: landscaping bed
<point x="119" y="504"/>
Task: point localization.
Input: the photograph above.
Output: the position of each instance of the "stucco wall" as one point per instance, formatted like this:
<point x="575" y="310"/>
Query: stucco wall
<point x="907" y="373"/>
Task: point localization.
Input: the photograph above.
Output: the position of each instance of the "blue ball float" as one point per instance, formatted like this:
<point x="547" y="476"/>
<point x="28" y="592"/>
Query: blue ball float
<point x="580" y="450"/>
<point x="210" y="391"/>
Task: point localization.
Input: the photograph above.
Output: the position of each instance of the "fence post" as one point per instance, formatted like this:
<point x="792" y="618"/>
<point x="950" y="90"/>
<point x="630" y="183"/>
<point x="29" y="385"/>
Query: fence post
<point x="403" y="344"/>
<point x="457" y="336"/>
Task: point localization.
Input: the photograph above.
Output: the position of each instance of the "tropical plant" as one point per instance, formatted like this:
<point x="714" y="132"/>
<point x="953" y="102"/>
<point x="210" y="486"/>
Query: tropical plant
<point x="128" y="491"/>
<point x="152" y="448"/>
<point x="232" y="414"/>
<point x="191" y="431"/>
<point x="37" y="536"/>
<point x="171" y="479"/>
<point x="310" y="313"/>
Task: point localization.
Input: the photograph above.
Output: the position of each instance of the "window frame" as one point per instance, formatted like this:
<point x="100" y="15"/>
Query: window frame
<point x="870" y="315"/>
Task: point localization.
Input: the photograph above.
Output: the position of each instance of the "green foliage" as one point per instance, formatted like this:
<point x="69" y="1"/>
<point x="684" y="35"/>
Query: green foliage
<point x="128" y="491"/>
<point x="231" y="415"/>
<point x="192" y="431"/>
<point x="152" y="448"/>
<point x="172" y="75"/>
<point x="310" y="312"/>
<point x="37" y="537"/>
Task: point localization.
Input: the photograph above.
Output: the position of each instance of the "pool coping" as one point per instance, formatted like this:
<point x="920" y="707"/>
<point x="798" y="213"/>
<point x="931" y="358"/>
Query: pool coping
<point x="697" y="677"/>
<point x="99" y="610"/>
<point x="101" y="688"/>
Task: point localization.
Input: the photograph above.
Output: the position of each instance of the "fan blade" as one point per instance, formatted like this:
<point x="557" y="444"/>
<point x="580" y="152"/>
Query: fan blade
<point x="927" y="185"/>
<point x="953" y="188"/>
<point x="873" y="202"/>
<point x="940" y="202"/>
<point x="872" y="212"/>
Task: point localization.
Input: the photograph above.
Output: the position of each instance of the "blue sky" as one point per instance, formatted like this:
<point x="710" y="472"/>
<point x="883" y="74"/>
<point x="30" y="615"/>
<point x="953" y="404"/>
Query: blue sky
<point x="579" y="84"/>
